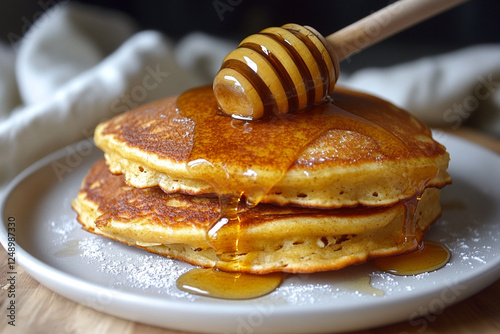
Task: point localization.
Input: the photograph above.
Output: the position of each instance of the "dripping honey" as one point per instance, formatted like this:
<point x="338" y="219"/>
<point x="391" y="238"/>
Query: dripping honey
<point x="271" y="145"/>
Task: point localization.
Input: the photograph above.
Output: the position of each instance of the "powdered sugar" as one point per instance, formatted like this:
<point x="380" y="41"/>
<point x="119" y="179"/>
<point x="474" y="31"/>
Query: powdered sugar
<point x="133" y="269"/>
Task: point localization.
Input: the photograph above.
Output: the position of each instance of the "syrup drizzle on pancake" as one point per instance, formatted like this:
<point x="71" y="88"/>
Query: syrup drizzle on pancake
<point x="273" y="145"/>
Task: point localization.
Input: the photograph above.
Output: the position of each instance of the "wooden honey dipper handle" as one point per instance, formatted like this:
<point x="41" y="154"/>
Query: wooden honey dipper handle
<point x="289" y="68"/>
<point x="384" y="23"/>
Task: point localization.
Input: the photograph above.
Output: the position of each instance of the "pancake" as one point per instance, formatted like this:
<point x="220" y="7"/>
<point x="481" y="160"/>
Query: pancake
<point x="355" y="149"/>
<point x="271" y="238"/>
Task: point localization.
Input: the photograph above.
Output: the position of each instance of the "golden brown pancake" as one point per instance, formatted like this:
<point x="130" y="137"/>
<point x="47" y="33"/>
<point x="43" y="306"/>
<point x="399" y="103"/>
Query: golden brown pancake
<point x="354" y="149"/>
<point x="271" y="238"/>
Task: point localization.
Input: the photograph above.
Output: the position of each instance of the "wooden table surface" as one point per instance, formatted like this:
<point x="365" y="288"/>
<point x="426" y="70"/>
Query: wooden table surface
<point x="39" y="310"/>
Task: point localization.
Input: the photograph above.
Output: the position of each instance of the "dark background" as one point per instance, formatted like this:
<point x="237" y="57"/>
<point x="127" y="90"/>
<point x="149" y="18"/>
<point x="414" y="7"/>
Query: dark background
<point x="474" y="22"/>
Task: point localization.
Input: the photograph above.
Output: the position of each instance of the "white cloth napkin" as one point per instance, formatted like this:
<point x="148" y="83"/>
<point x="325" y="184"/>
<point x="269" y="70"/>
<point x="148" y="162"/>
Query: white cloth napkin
<point x="74" y="68"/>
<point x="79" y="65"/>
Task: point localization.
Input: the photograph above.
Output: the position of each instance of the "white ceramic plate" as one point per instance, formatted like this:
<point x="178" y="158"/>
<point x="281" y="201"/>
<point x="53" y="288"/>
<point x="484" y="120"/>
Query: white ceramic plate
<point x="135" y="285"/>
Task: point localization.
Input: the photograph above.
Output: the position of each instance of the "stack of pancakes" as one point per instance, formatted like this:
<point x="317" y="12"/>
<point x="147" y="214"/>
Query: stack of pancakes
<point x="365" y="185"/>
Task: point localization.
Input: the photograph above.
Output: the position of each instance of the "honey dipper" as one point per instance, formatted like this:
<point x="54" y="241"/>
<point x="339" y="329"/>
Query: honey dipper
<point x="292" y="67"/>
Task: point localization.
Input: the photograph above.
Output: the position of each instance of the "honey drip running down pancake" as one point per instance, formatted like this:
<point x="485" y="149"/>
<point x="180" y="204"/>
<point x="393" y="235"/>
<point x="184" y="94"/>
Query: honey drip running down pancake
<point x="350" y="153"/>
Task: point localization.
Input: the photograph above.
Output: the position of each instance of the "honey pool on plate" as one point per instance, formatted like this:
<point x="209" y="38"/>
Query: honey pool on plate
<point x="428" y="257"/>
<point x="220" y="284"/>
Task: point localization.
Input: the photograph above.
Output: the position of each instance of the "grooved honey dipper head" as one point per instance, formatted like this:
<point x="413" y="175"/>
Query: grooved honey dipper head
<point x="276" y="71"/>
